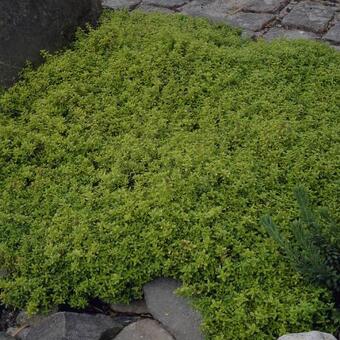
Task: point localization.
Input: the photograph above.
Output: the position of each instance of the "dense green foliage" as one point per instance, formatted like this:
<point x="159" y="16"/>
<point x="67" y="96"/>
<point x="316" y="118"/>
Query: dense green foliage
<point x="314" y="249"/>
<point x="152" y="148"/>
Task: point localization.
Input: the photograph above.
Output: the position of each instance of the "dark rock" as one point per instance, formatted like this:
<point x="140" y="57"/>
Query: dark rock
<point x="278" y="32"/>
<point x="144" y="329"/>
<point x="29" y="26"/>
<point x="166" y="3"/>
<point x="309" y="16"/>
<point x="135" y="307"/>
<point x="333" y="35"/>
<point x="314" y="335"/>
<point x="121" y="4"/>
<point x="74" y="326"/>
<point x="7" y="317"/>
<point x="125" y="319"/>
<point x="250" y="21"/>
<point x="172" y="311"/>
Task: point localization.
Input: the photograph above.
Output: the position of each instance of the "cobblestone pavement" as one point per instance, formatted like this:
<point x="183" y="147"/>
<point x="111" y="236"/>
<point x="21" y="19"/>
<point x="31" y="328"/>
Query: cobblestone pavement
<point x="270" y="19"/>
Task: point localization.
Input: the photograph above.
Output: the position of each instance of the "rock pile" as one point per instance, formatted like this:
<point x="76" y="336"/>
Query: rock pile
<point x="162" y="315"/>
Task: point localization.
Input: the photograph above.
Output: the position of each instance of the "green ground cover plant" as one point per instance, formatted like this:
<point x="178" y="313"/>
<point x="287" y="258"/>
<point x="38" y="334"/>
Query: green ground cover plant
<point x="151" y="148"/>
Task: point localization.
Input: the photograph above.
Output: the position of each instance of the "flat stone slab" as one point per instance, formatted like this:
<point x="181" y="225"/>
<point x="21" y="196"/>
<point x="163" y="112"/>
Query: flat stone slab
<point x="166" y="3"/>
<point x="152" y="9"/>
<point x="250" y="21"/>
<point x="333" y="34"/>
<point x="199" y="8"/>
<point x="121" y="4"/>
<point x="146" y="329"/>
<point x="309" y="16"/>
<point x="281" y="33"/>
<point x="172" y="311"/>
<point x="74" y="326"/>
<point x="265" y="6"/>
<point x="215" y="10"/>
<point x="314" y="335"/>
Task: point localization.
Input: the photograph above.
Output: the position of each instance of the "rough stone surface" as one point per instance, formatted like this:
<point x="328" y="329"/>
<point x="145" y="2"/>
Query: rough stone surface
<point x="135" y="307"/>
<point x="265" y="6"/>
<point x="333" y="34"/>
<point x="199" y="8"/>
<point x="172" y="311"/>
<point x="277" y="32"/>
<point x="314" y="335"/>
<point x="7" y="317"/>
<point x="150" y="9"/>
<point x="74" y="326"/>
<point x="166" y="3"/>
<point x="250" y="21"/>
<point x="144" y="329"/>
<point x="3" y="336"/>
<point x="309" y="16"/>
<point x="121" y="4"/>
<point x="20" y="333"/>
<point x="24" y="319"/>
<point x="28" y="26"/>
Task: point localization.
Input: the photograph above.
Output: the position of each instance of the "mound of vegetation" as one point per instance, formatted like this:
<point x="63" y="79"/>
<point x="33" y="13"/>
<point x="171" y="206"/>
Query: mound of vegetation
<point x="152" y="148"/>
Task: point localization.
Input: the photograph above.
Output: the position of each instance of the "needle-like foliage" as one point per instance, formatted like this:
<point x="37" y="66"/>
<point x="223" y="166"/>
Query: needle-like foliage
<point x="314" y="249"/>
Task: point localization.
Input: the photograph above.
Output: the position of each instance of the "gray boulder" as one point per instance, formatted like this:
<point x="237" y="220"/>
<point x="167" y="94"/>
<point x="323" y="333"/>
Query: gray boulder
<point x="314" y="335"/>
<point x="19" y="333"/>
<point x="29" y="26"/>
<point x="23" y="319"/>
<point x="172" y="311"/>
<point x="74" y="326"/>
<point x="144" y="329"/>
<point x="333" y="34"/>
<point x="3" y="336"/>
